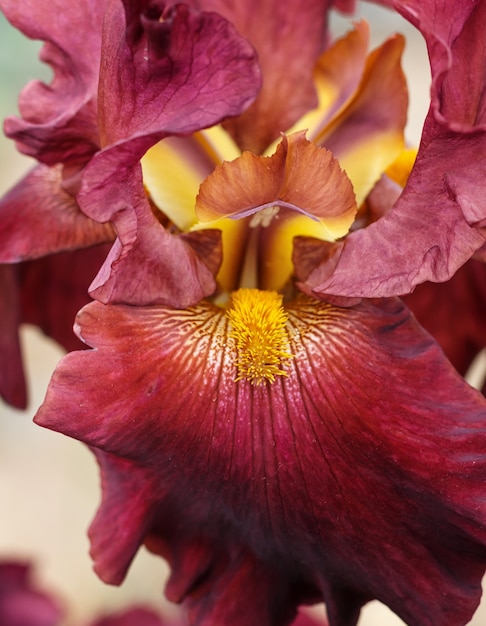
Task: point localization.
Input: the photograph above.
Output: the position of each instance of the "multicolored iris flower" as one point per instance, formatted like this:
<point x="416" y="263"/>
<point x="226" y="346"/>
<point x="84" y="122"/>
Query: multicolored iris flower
<point x="278" y="442"/>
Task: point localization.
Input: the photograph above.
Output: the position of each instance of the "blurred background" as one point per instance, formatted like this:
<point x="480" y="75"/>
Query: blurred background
<point x="48" y="483"/>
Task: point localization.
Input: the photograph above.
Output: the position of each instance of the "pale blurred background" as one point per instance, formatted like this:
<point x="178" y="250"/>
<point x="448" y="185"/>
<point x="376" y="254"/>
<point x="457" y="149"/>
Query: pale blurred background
<point x="49" y="483"/>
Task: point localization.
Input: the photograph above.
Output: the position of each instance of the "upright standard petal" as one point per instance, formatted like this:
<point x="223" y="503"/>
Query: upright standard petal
<point x="331" y="482"/>
<point x="437" y="223"/>
<point x="289" y="38"/>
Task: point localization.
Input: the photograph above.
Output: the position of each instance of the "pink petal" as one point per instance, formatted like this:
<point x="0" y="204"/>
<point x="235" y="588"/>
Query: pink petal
<point x="59" y="121"/>
<point x="297" y="481"/>
<point x="21" y="603"/>
<point x="440" y="214"/>
<point x="38" y="217"/>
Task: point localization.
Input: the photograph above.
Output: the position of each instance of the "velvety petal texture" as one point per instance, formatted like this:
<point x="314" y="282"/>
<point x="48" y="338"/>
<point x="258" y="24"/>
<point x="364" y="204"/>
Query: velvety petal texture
<point x="329" y="483"/>
<point x="441" y="212"/>
<point x="12" y="381"/>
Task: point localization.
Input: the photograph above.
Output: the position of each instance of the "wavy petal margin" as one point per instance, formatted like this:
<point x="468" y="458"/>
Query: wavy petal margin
<point x="163" y="87"/>
<point x="38" y="217"/>
<point x="360" y="475"/>
<point x="59" y="121"/>
<point x="437" y="223"/>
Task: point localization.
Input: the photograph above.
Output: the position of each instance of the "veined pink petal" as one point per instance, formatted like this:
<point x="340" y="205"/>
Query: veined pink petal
<point x="297" y="480"/>
<point x="440" y="216"/>
<point x="12" y="381"/>
<point x="37" y="217"/>
<point x="59" y="121"/>
<point x="171" y="71"/>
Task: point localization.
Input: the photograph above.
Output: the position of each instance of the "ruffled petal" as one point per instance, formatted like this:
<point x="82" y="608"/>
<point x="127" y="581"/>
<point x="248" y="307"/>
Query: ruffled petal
<point x="38" y="217"/>
<point x="59" y="121"/>
<point x="440" y="214"/>
<point x="332" y="481"/>
<point x="12" y="381"/>
<point x="299" y="176"/>
<point x="171" y="71"/>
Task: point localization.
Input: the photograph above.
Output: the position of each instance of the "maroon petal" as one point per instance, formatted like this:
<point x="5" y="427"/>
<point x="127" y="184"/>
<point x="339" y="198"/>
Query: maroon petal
<point x="171" y="71"/>
<point x="59" y="121"/>
<point x="437" y="223"/>
<point x="331" y="482"/>
<point x="53" y="289"/>
<point x="454" y="313"/>
<point x="12" y="381"/>
<point x="147" y="264"/>
<point x="135" y="616"/>
<point x="37" y="217"/>
<point x="21" y="603"/>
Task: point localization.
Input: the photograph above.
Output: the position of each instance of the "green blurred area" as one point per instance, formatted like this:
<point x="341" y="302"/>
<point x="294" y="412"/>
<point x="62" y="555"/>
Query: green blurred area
<point x="19" y="63"/>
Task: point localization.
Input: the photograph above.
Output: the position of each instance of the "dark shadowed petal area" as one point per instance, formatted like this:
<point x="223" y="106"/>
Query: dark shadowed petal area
<point x="288" y="36"/>
<point x="437" y="223"/>
<point x="38" y="217"/>
<point x="357" y="474"/>
<point x="12" y="381"/>
<point x="53" y="289"/>
<point x="59" y="121"/>
<point x="21" y="603"/>
<point x="454" y="313"/>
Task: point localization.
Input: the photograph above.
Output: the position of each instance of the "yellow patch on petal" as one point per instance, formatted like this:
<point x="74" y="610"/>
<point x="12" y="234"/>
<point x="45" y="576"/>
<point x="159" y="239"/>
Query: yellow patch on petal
<point x="400" y="169"/>
<point x="259" y="329"/>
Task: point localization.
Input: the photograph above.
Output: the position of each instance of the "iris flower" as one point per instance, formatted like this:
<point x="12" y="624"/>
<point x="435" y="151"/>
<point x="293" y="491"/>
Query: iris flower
<point x="276" y="446"/>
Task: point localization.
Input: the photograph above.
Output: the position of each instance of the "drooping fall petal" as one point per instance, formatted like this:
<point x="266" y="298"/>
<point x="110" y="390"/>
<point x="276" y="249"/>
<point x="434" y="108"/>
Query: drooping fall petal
<point x="12" y="381"/>
<point x="454" y="313"/>
<point x="59" y="121"/>
<point x="37" y="217"/>
<point x="437" y="223"/>
<point x="301" y="477"/>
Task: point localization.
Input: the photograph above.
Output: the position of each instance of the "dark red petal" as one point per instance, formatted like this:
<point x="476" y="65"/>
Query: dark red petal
<point x="454" y="313"/>
<point x="147" y="264"/>
<point x="12" y="381"/>
<point x="59" y="121"/>
<point x="38" y="217"/>
<point x="54" y="288"/>
<point x="135" y="616"/>
<point x="359" y="475"/>
<point x="438" y="222"/>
